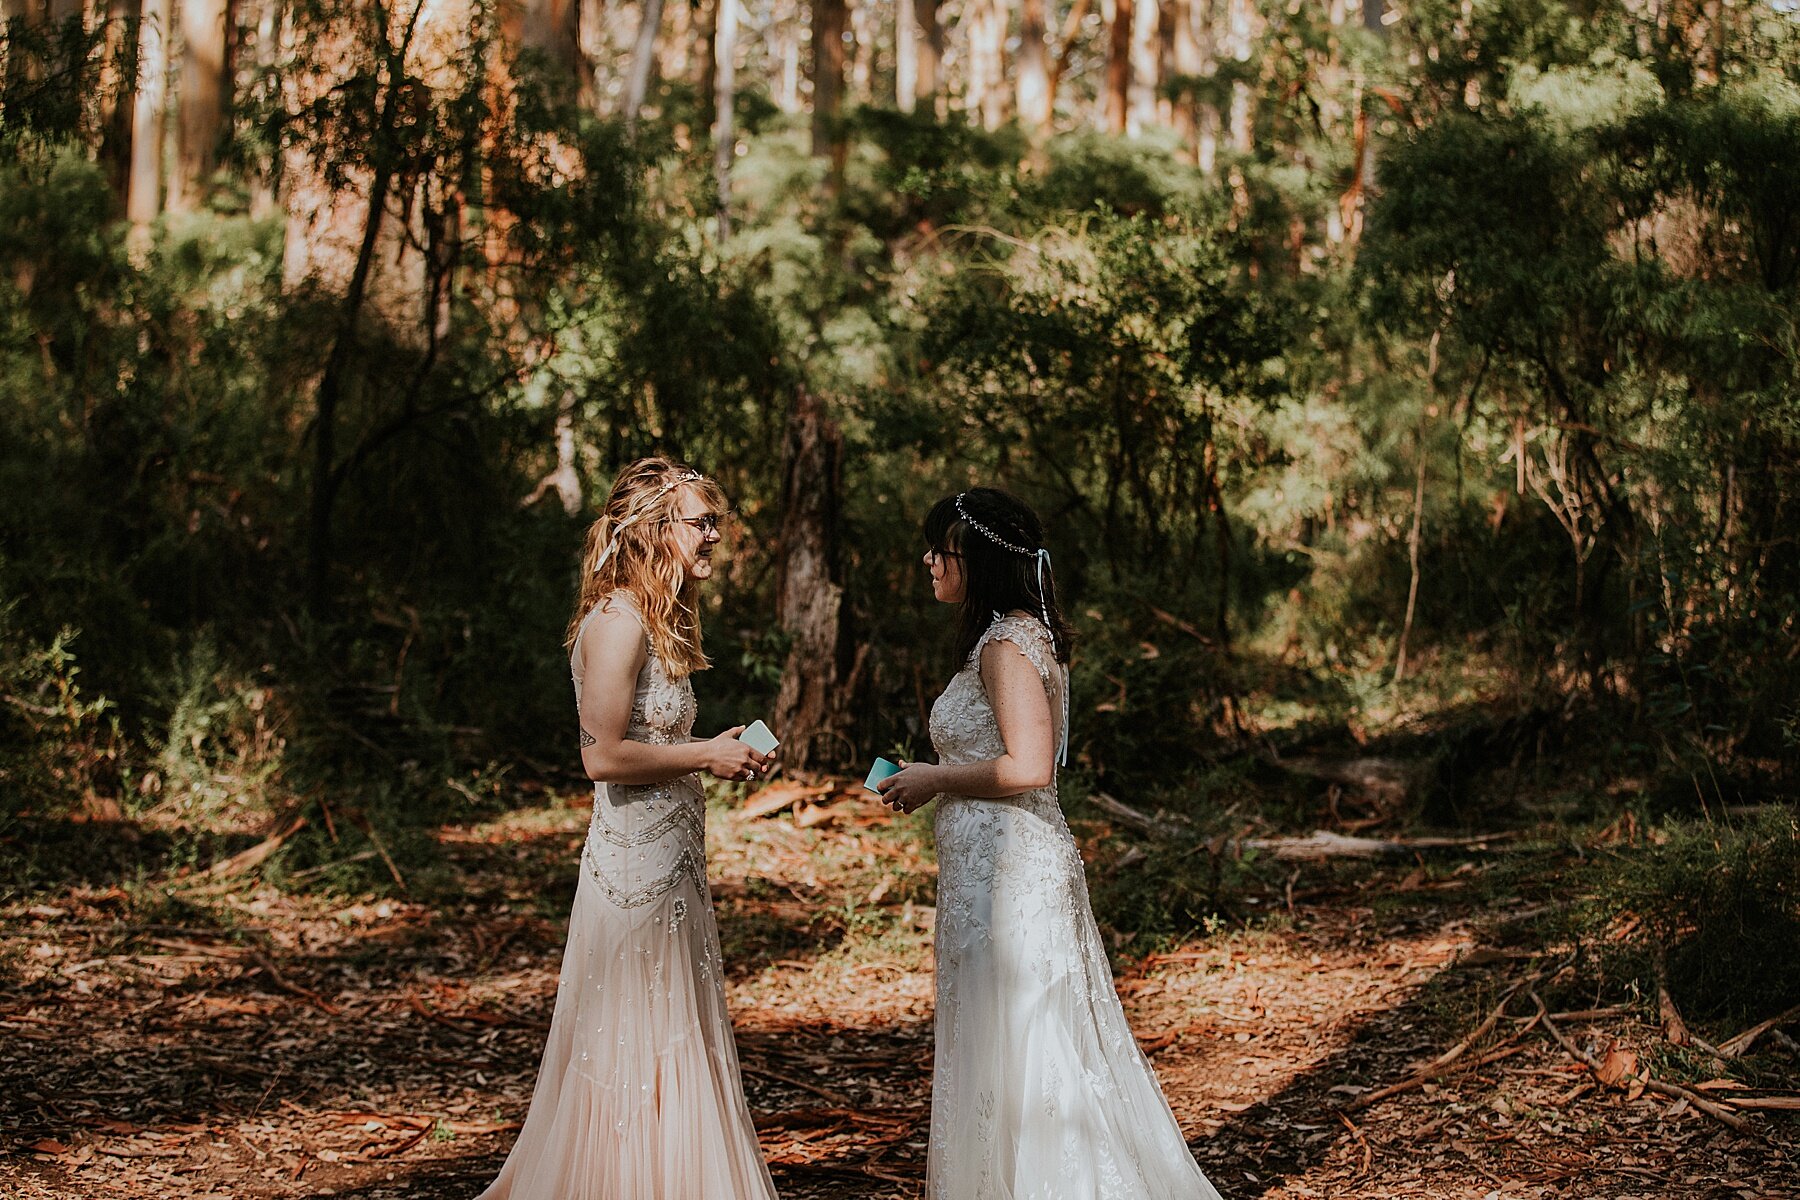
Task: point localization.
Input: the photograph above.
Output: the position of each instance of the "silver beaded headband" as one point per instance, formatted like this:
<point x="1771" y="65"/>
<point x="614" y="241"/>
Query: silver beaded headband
<point x="642" y="511"/>
<point x="1042" y="554"/>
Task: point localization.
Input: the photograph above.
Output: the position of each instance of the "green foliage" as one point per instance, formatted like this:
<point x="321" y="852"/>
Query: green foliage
<point x="1723" y="902"/>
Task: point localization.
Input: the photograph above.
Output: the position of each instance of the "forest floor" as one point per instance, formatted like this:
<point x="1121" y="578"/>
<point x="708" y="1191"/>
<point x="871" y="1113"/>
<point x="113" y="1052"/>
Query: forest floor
<point x="166" y="1041"/>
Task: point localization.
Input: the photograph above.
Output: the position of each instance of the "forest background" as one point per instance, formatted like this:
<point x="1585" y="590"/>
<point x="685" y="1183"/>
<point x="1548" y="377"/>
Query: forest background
<point x="1414" y="386"/>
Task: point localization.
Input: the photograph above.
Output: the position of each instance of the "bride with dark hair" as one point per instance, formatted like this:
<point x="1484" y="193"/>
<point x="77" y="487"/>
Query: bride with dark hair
<point x="1039" y="1092"/>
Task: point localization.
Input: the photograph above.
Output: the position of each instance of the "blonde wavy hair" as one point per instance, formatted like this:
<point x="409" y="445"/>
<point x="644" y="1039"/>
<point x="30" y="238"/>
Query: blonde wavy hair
<point x="638" y="522"/>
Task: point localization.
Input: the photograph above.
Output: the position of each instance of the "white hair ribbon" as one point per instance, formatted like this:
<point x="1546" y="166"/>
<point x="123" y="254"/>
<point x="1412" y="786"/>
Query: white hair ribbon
<point x="643" y="511"/>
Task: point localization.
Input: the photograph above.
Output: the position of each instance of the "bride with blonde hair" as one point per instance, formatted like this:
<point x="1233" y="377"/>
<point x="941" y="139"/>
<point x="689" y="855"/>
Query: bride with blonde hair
<point x="638" y="1094"/>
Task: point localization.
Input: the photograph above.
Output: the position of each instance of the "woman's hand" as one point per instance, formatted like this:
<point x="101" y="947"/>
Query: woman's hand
<point x="910" y="788"/>
<point x="727" y="758"/>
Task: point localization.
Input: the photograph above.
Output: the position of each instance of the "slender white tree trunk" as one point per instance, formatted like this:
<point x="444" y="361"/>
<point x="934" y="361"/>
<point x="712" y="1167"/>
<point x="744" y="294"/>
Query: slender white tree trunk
<point x="143" y="202"/>
<point x="724" y="101"/>
<point x="643" y="61"/>
<point x="1035" y="100"/>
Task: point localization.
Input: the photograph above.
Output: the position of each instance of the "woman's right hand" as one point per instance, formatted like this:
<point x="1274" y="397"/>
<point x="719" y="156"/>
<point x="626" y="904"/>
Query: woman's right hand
<point x="727" y="758"/>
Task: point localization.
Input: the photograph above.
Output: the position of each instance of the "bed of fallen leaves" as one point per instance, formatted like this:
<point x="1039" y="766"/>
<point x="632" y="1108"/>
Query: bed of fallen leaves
<point x="186" y="1038"/>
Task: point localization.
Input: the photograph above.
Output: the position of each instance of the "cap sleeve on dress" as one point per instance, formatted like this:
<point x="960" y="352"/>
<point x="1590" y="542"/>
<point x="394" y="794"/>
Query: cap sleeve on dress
<point x="1029" y="635"/>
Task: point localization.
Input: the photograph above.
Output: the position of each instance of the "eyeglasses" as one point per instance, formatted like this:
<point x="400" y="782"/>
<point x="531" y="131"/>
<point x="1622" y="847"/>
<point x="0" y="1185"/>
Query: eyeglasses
<point x="706" y="523"/>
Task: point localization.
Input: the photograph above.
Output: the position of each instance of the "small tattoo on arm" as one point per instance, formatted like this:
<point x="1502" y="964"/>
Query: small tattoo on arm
<point x="588" y="739"/>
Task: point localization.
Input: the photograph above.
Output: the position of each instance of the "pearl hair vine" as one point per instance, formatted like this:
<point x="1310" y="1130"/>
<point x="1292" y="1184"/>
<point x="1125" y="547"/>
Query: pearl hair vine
<point x="1042" y="555"/>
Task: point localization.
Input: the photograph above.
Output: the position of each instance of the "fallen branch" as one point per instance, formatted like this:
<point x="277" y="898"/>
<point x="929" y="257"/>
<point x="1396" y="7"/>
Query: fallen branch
<point x="1740" y="1045"/>
<point x="1325" y="844"/>
<point x="804" y="1085"/>
<point x="1672" y="1090"/>
<point x="1444" y="1061"/>
<point x="1122" y="812"/>
<point x="293" y="989"/>
<point x="246" y="859"/>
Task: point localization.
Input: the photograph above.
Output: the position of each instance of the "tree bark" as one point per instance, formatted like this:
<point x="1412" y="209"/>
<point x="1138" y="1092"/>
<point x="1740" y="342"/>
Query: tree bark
<point x="1144" y="74"/>
<point x="931" y="51"/>
<point x="1071" y="34"/>
<point x="828" y="87"/>
<point x="986" y="97"/>
<point x="1187" y="61"/>
<point x="143" y="203"/>
<point x="906" y="56"/>
<point x="1035" y="101"/>
<point x="116" y="116"/>
<point x="809" y="591"/>
<point x="706" y="59"/>
<point x="1118" y="66"/>
<point x="724" y="99"/>
<point x="643" y="62"/>
<point x="201" y="102"/>
<point x="553" y="29"/>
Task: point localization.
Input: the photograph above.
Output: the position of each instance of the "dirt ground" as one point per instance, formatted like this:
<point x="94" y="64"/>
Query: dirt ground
<point x="244" y="1042"/>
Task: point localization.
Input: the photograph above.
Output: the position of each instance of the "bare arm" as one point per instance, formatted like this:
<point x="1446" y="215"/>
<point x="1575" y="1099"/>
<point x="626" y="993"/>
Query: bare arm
<point x="613" y="651"/>
<point x="1027" y="728"/>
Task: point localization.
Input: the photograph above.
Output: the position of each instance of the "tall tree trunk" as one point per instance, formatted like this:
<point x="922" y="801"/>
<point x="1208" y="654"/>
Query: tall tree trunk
<point x="828" y="87"/>
<point x="1187" y="61"/>
<point x="115" y="119"/>
<point x="706" y="60"/>
<point x="809" y="590"/>
<point x="1241" y="16"/>
<point x="1035" y="100"/>
<point x="1118" y="65"/>
<point x="1206" y="14"/>
<point x="785" y="33"/>
<point x="906" y="56"/>
<point x="863" y="36"/>
<point x="1144" y="75"/>
<point x="986" y="98"/>
<point x="201" y="103"/>
<point x="724" y="101"/>
<point x="931" y="51"/>
<point x="553" y="29"/>
<point x="643" y="61"/>
<point x="143" y="203"/>
<point x="1071" y="35"/>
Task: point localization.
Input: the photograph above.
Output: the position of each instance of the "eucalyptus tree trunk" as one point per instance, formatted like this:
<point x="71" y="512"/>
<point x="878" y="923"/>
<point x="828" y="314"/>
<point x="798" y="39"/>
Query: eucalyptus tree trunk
<point x="204" y="87"/>
<point x="1187" y="62"/>
<point x="1071" y="36"/>
<point x="1118" y="64"/>
<point x="906" y="56"/>
<point x="1144" y="74"/>
<point x="643" y="62"/>
<point x="1237" y="43"/>
<point x="1035" y="100"/>
<point x="116" y="114"/>
<point x="553" y="29"/>
<point x="817" y="679"/>
<point x="929" y="80"/>
<point x="143" y="200"/>
<point x="828" y="87"/>
<point x="706" y="60"/>
<point x="724" y="100"/>
<point x="986" y="48"/>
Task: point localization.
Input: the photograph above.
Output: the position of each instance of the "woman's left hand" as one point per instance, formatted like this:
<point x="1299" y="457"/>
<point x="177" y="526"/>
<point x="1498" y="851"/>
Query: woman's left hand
<point x="912" y="787"/>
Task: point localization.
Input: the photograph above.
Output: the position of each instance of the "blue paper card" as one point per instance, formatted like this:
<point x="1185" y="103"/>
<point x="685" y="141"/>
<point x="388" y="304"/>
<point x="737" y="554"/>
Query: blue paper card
<point x="759" y="738"/>
<point x="880" y="771"/>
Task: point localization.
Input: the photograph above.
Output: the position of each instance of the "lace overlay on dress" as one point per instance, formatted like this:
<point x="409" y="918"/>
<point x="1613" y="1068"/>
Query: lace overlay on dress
<point x="1039" y="1091"/>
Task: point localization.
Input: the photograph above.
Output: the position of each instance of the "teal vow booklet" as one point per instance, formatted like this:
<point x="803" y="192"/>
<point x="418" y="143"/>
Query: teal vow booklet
<point x="880" y="771"/>
<point x="758" y="738"/>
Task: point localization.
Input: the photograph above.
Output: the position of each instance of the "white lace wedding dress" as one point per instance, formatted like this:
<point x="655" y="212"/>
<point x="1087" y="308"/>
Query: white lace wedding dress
<point x="1039" y="1091"/>
<point x="638" y="1095"/>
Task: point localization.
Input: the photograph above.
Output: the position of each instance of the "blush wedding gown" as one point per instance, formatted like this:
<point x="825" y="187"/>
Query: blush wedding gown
<point x="1040" y="1091"/>
<point x="638" y="1095"/>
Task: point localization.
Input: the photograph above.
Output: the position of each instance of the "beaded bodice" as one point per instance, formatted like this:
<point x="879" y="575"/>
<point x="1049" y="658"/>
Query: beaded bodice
<point x="644" y="839"/>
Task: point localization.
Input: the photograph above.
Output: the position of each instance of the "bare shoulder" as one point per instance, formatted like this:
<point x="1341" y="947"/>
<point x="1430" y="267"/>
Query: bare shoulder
<point x="613" y="633"/>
